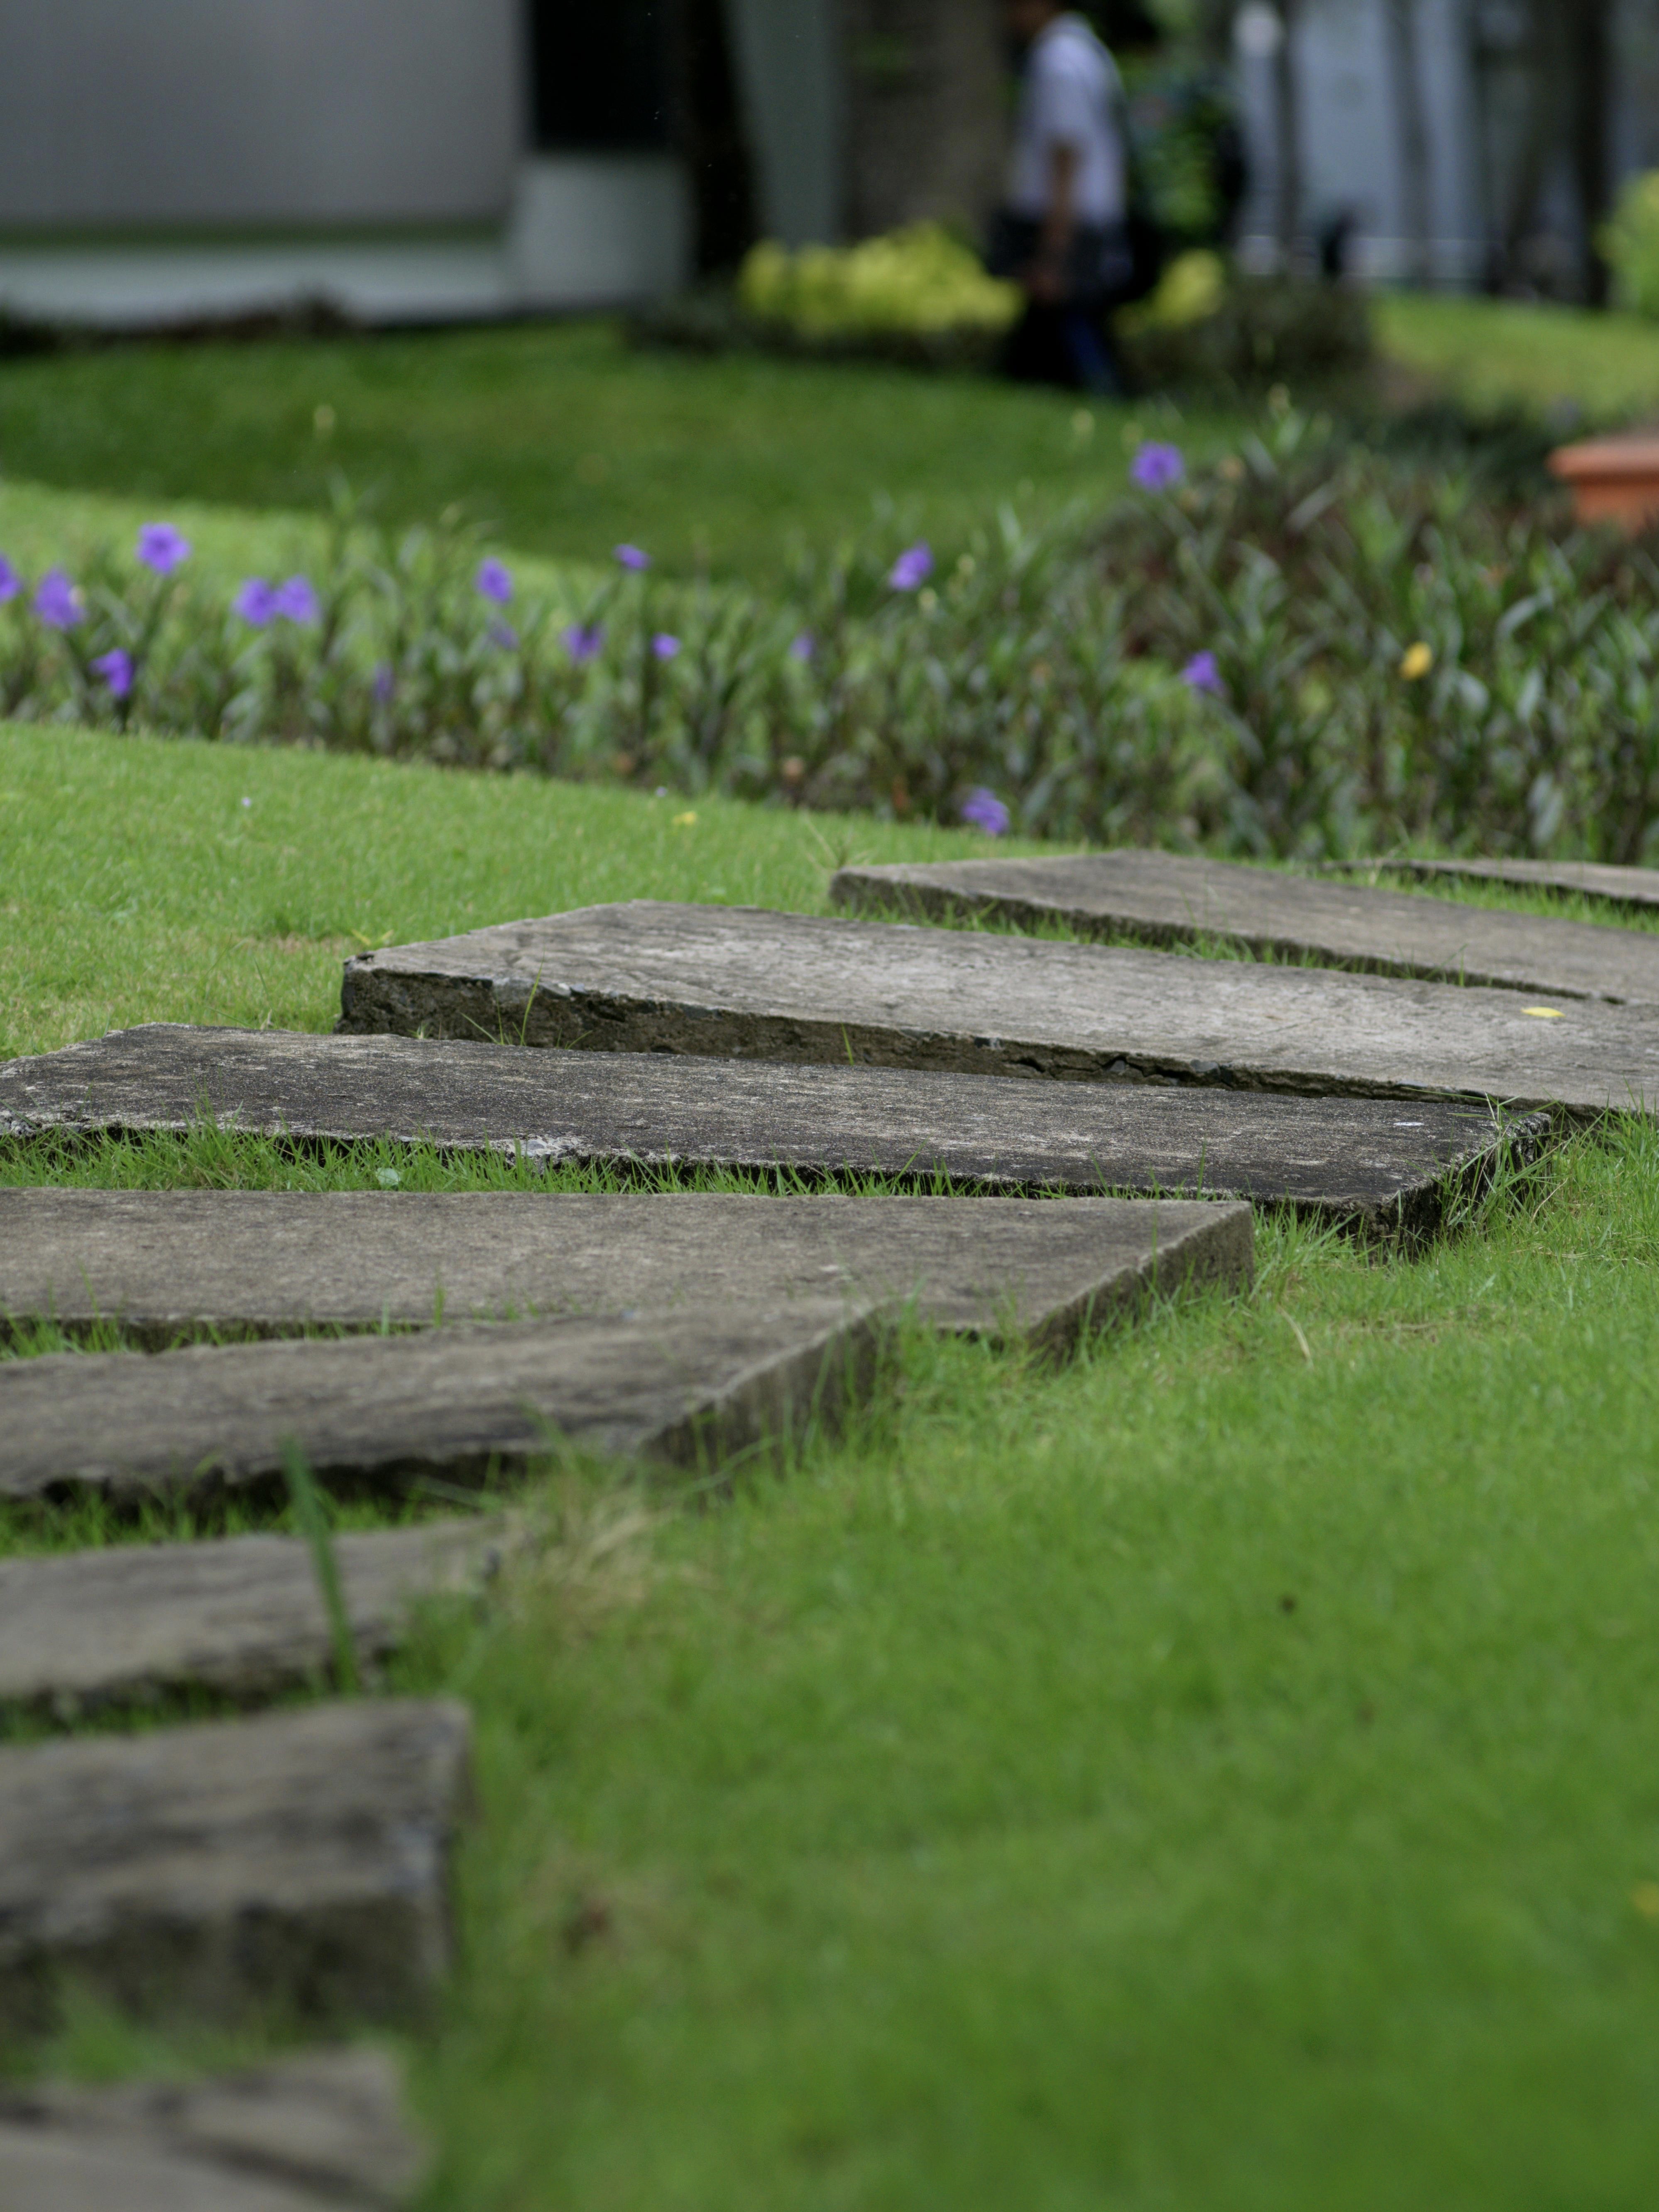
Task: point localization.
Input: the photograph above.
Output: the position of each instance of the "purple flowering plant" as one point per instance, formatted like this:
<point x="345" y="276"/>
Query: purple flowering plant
<point x="583" y="641"/>
<point x="255" y="603"/>
<point x="983" y="809"/>
<point x="296" y="601"/>
<point x="665" y="647"/>
<point x="1159" y="466"/>
<point x="494" y="581"/>
<point x="630" y="557"/>
<point x="59" y="602"/>
<point x="11" y="584"/>
<point x="1202" y="674"/>
<point x="162" y="548"/>
<point x="912" y="568"/>
<point x="117" y="670"/>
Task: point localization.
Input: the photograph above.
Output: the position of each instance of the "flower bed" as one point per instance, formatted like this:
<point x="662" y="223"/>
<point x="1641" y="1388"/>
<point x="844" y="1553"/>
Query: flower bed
<point x="1304" y="650"/>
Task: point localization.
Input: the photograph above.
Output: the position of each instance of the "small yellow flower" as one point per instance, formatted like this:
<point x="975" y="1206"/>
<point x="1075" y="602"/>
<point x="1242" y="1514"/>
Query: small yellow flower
<point x="685" y="821"/>
<point x="1418" y="661"/>
<point x="1646" y="1898"/>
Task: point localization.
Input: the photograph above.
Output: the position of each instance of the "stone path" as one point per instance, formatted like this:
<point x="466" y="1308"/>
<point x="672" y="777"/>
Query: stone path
<point x="381" y="1413"/>
<point x="1636" y="888"/>
<point x="297" y="1864"/>
<point x="162" y="1260"/>
<point x="1339" y="1158"/>
<point x="307" y="2134"/>
<point x="740" y="983"/>
<point x="241" y="1617"/>
<point x="1166" y="898"/>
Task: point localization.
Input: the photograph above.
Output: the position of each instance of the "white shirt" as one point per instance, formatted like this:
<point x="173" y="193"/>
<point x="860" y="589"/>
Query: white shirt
<point x="1071" y="97"/>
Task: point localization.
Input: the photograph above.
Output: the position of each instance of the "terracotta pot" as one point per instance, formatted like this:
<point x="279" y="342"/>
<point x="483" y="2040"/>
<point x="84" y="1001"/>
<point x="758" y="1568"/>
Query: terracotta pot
<point x="1612" y="479"/>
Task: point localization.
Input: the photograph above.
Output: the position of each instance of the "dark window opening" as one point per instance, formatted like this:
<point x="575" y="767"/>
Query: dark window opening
<point x="599" y="77"/>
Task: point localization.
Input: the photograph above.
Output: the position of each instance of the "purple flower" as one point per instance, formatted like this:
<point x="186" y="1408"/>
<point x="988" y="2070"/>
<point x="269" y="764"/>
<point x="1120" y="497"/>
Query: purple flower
<point x="803" y="647"/>
<point x="912" y="568"/>
<point x="1201" y="674"/>
<point x="385" y="683"/>
<point x="10" y="582"/>
<point x="631" y="557"/>
<point x="115" y="666"/>
<point x="56" y="601"/>
<point x="665" y="647"/>
<point x="296" y="601"/>
<point x="584" y="642"/>
<point x="505" y="636"/>
<point x="1156" y="467"/>
<point x="162" y="547"/>
<point x="255" y="603"/>
<point x="985" y="811"/>
<point x="493" y="582"/>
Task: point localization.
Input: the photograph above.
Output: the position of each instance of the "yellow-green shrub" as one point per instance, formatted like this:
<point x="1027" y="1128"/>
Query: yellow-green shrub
<point x="921" y="279"/>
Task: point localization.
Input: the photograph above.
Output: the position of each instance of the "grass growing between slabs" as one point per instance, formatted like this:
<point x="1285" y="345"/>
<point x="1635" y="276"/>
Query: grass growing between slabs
<point x="145" y="879"/>
<point x="1219" y="1771"/>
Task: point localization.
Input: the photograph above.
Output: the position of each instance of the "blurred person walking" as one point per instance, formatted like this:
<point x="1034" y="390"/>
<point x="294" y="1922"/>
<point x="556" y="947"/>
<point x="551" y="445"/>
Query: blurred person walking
<point x="1064" y="233"/>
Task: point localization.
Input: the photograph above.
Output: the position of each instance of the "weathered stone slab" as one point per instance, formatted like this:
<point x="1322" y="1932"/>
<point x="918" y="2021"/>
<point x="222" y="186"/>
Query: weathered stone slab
<point x="43" y="2171"/>
<point x="1637" y="889"/>
<point x="307" y="2134"/>
<point x="162" y="1260"/>
<point x="293" y="1865"/>
<point x="1337" y="1158"/>
<point x="741" y="982"/>
<point x="448" y="1404"/>
<point x="242" y="1616"/>
<point x="1169" y="898"/>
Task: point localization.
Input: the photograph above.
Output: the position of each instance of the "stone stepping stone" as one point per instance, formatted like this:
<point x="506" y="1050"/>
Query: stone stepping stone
<point x="381" y="1412"/>
<point x="1341" y="1158"/>
<point x="742" y="982"/>
<point x="307" y="2134"/>
<point x="1634" y="888"/>
<point x="241" y="1616"/>
<point x="295" y="1864"/>
<point x="1167" y="899"/>
<point x="163" y="1261"/>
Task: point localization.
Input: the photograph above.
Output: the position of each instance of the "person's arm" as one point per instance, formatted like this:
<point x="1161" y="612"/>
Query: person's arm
<point x="1049" y="278"/>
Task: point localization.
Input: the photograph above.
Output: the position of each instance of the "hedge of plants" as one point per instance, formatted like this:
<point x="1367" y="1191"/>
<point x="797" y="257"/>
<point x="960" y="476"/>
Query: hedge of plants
<point x="1305" y="649"/>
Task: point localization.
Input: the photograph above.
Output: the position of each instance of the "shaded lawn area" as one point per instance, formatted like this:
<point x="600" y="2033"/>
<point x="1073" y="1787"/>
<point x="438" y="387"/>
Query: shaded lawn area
<point x="562" y="439"/>
<point x="1494" y="356"/>
<point x="1218" y="1773"/>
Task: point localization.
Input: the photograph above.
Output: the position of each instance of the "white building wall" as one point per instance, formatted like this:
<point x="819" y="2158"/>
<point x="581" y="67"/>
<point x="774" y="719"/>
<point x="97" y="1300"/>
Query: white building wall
<point x="117" y="114"/>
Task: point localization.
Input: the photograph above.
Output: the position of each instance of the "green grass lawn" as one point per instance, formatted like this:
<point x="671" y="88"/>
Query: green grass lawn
<point x="1490" y="356"/>
<point x="562" y="439"/>
<point x="1220" y="1772"/>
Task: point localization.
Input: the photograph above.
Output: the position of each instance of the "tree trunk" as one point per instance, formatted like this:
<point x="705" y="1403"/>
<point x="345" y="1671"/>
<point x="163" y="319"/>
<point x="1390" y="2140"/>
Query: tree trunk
<point x="928" y="119"/>
<point x="1411" y="138"/>
<point x="1287" y="119"/>
<point x="1587" y="26"/>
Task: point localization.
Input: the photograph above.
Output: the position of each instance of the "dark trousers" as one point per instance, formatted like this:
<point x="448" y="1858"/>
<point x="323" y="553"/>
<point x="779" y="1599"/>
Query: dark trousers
<point x="1068" y="343"/>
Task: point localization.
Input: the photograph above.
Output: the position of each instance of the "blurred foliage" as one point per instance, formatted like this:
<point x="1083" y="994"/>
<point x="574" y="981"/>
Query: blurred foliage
<point x="1188" y="151"/>
<point x="1631" y="244"/>
<point x="1255" y="331"/>
<point x="1386" y="655"/>
<point x="919" y="279"/>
